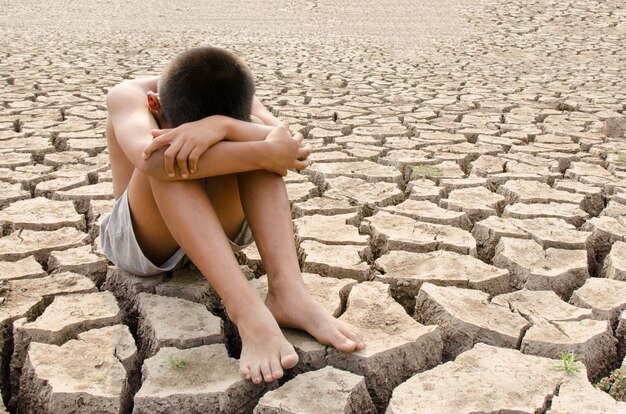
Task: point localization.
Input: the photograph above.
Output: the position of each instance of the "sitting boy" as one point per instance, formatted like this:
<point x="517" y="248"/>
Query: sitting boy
<point x="194" y="189"/>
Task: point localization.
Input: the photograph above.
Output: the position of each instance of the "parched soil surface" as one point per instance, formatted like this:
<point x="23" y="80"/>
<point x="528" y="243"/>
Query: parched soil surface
<point x="466" y="210"/>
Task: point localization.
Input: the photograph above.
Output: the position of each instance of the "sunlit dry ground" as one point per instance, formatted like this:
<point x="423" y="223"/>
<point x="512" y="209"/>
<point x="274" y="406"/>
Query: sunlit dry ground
<point x="467" y="207"/>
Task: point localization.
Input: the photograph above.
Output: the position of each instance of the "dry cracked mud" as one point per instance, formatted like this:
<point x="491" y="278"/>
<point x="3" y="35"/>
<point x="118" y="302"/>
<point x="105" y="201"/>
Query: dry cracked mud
<point x="466" y="208"/>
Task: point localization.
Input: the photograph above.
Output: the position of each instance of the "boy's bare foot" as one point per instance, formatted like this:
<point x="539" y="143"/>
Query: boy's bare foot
<point x="299" y="310"/>
<point x="265" y="352"/>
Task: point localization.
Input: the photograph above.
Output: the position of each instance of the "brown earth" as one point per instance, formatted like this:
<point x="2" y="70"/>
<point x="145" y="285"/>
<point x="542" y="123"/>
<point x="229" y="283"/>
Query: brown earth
<point x="466" y="208"/>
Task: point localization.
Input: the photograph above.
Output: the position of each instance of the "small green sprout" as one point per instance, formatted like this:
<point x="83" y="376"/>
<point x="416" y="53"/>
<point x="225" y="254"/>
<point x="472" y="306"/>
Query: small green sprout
<point x="500" y="219"/>
<point x="425" y="171"/>
<point x="621" y="158"/>
<point x="570" y="363"/>
<point x="178" y="362"/>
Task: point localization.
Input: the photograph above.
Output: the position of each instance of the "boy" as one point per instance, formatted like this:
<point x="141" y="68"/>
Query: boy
<point x="193" y="190"/>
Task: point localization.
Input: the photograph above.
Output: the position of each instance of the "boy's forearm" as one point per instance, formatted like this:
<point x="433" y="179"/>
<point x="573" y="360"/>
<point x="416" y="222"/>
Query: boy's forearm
<point x="222" y="158"/>
<point x="241" y="131"/>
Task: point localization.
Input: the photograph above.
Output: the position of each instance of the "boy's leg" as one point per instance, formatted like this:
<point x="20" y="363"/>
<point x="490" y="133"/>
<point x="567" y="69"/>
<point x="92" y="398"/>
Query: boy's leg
<point x="266" y="206"/>
<point x="179" y="213"/>
<point x="151" y="232"/>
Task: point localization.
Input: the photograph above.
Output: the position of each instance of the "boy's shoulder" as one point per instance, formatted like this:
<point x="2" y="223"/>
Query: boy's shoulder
<point x="129" y="86"/>
<point x="126" y="94"/>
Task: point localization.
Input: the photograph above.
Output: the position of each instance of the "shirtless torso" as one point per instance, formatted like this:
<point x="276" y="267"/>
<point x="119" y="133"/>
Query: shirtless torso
<point x="172" y="208"/>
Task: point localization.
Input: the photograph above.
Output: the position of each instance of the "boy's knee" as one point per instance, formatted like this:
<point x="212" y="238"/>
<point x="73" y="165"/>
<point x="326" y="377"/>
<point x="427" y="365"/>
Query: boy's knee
<point x="256" y="120"/>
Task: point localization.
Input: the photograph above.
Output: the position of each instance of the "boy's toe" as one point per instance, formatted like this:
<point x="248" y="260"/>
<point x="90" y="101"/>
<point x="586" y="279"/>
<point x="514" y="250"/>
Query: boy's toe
<point x="256" y="375"/>
<point x="342" y="342"/>
<point x="353" y="335"/>
<point x="288" y="357"/>
<point x="277" y="369"/>
<point x="266" y="371"/>
<point x="244" y="371"/>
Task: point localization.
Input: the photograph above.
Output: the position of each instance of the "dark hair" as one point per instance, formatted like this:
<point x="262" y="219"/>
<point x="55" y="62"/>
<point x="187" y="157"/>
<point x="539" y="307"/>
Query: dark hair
<point x="206" y="81"/>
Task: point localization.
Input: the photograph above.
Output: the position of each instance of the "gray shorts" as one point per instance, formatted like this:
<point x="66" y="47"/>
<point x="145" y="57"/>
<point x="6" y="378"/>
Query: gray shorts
<point x="120" y="245"/>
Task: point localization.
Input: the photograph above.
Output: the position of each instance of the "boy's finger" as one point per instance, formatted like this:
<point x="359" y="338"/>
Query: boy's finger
<point x="298" y="137"/>
<point x="169" y="159"/>
<point x="193" y="159"/>
<point x="304" y="152"/>
<point x="182" y="159"/>
<point x="181" y="162"/>
<point x="156" y="144"/>
<point x="158" y="132"/>
<point x="301" y="165"/>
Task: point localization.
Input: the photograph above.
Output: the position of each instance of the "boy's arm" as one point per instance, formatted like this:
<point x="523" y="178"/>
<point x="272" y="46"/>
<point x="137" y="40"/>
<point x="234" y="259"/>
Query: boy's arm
<point x="187" y="142"/>
<point x="278" y="153"/>
<point x="133" y="123"/>
<point x="260" y="111"/>
<point x="131" y="119"/>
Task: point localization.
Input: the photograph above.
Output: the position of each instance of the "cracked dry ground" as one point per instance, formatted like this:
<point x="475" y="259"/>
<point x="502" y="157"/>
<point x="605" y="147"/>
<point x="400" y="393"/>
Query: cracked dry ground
<point x="467" y="211"/>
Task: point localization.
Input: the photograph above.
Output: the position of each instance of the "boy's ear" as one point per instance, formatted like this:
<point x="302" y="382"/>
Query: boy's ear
<point x="153" y="101"/>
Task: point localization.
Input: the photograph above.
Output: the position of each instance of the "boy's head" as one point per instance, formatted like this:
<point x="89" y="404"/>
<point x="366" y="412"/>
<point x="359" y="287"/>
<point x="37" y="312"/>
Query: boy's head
<point x="205" y="81"/>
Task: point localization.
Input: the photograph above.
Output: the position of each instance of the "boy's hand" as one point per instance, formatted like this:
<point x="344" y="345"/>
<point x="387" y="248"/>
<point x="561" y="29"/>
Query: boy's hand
<point x="186" y="144"/>
<point x="287" y="151"/>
